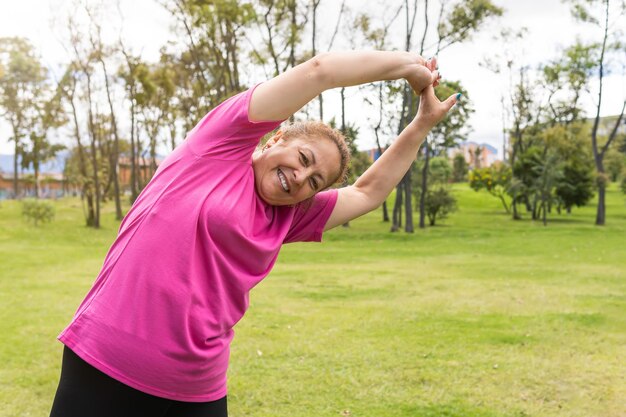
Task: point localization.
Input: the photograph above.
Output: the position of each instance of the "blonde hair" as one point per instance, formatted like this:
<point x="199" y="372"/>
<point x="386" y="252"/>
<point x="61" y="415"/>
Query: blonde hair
<point x="313" y="129"/>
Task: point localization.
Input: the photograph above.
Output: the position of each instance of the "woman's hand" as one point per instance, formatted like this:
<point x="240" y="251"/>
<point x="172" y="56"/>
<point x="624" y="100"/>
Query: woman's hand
<point x="431" y="110"/>
<point x="423" y="75"/>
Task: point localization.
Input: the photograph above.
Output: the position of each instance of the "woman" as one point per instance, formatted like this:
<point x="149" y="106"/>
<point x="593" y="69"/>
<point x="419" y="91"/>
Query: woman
<point x="152" y="336"/>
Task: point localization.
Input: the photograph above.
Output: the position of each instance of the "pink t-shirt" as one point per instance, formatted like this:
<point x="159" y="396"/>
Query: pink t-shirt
<point x="160" y="314"/>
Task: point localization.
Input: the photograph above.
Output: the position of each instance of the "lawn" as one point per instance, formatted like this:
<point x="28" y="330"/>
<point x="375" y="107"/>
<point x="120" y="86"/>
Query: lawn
<point x="481" y="316"/>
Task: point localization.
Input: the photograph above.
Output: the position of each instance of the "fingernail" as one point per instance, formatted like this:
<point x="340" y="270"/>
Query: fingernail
<point x="458" y="96"/>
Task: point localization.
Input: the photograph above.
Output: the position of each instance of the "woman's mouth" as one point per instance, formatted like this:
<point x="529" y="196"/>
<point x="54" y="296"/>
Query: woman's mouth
<point x="283" y="180"/>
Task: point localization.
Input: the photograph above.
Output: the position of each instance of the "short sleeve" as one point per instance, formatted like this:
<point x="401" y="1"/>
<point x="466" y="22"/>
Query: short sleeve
<point x="227" y="133"/>
<point x="310" y="218"/>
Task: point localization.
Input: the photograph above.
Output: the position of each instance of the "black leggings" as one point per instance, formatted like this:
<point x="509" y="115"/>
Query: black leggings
<point x="85" y="391"/>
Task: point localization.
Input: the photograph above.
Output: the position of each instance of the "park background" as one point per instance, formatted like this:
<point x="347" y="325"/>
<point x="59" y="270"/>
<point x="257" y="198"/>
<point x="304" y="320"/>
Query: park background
<point x="505" y="296"/>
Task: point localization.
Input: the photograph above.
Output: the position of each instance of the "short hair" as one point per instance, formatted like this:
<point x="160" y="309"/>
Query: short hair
<point x="309" y="129"/>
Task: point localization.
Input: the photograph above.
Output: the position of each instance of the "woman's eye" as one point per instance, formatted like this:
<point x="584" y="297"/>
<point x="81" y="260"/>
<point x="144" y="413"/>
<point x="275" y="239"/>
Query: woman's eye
<point x="313" y="184"/>
<point x="304" y="159"/>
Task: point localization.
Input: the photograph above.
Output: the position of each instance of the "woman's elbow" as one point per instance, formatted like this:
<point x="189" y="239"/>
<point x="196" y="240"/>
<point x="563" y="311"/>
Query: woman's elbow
<point x="319" y="70"/>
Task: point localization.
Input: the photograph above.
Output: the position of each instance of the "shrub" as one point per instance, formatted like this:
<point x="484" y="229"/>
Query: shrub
<point x="37" y="211"/>
<point x="459" y="168"/>
<point x="439" y="203"/>
<point x="496" y="180"/>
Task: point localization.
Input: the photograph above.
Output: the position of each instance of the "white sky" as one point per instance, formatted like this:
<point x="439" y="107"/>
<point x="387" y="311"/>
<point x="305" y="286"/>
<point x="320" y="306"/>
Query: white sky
<point x="550" y="29"/>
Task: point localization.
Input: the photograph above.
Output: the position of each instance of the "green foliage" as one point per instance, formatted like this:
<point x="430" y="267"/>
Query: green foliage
<point x="615" y="163"/>
<point x="464" y="19"/>
<point x="548" y="173"/>
<point x="454" y="127"/>
<point x="496" y="180"/>
<point x="459" y="168"/>
<point x="439" y="203"/>
<point x="567" y="78"/>
<point x="439" y="170"/>
<point x="576" y="186"/>
<point x="557" y="170"/>
<point x="22" y="80"/>
<point x="37" y="211"/>
<point x="359" y="161"/>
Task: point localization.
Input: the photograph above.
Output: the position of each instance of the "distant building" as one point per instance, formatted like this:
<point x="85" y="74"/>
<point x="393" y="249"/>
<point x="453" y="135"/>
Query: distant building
<point x="373" y="154"/>
<point x="607" y="124"/>
<point x="476" y="155"/>
<point x="53" y="184"/>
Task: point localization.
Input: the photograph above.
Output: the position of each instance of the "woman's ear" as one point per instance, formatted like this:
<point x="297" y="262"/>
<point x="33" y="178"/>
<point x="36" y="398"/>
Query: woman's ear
<point x="273" y="140"/>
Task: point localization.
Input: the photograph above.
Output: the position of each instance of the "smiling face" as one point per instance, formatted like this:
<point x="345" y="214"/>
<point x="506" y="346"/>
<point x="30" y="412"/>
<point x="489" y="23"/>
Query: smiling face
<point x="289" y="171"/>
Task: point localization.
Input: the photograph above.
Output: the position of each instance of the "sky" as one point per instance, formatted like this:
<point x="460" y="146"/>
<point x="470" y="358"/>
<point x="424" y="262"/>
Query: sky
<point x="549" y="23"/>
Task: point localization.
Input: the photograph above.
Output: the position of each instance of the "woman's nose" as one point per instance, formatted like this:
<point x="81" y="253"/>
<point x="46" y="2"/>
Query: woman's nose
<point x="299" y="175"/>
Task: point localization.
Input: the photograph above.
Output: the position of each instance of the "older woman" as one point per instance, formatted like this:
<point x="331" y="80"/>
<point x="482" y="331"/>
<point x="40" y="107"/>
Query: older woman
<point x="152" y="336"/>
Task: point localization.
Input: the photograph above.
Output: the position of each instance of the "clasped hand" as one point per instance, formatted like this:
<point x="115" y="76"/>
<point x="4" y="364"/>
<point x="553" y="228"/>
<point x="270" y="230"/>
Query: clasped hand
<point x="423" y="81"/>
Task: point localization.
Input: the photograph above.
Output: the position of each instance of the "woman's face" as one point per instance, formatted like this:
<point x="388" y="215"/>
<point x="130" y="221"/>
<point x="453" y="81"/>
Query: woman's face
<point x="289" y="171"/>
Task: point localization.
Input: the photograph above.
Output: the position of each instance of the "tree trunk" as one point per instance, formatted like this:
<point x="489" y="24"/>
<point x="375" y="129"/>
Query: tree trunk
<point x="598" y="156"/>
<point x="397" y="209"/>
<point x="115" y="154"/>
<point x="133" y="156"/>
<point x="343" y="132"/>
<point x="314" y="51"/>
<point x="85" y="192"/>
<point x="36" y="171"/>
<point x="16" y="155"/>
<point x="601" y="212"/>
<point x="94" y="155"/>
<point x="380" y="149"/>
<point x="408" y="200"/>
<point x="424" y="185"/>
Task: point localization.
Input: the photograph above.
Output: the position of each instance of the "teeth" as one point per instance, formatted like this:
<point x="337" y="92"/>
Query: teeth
<point x="283" y="180"/>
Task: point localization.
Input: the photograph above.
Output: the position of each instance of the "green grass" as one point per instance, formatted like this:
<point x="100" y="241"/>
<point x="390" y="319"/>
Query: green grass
<point x="482" y="316"/>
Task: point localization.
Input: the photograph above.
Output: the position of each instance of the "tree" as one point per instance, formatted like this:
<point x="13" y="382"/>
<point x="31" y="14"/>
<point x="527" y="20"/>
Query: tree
<point x="47" y="115"/>
<point x="84" y="65"/>
<point x="445" y="134"/>
<point x="615" y="163"/>
<point x="21" y="76"/>
<point x="455" y="24"/>
<point x="77" y="164"/>
<point x="385" y="91"/>
<point x="131" y="72"/>
<point x="213" y="31"/>
<point x="438" y="201"/>
<point x="100" y="55"/>
<point x="548" y="171"/>
<point x="156" y="103"/>
<point x="576" y="186"/>
<point x="600" y="14"/>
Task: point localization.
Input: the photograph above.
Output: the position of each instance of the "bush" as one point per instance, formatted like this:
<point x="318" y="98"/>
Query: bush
<point x="439" y="170"/>
<point x="459" y="168"/>
<point x="496" y="180"/>
<point x="439" y="203"/>
<point x="37" y="211"/>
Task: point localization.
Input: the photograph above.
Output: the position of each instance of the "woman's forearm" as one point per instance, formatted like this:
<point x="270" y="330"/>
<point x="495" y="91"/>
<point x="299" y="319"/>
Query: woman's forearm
<point x="344" y="69"/>
<point x="387" y="171"/>
<point x="285" y="94"/>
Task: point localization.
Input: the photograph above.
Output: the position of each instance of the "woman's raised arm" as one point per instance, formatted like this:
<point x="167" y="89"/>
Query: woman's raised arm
<point x="287" y="93"/>
<point x="373" y="187"/>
